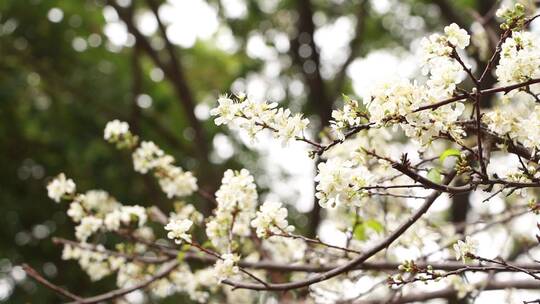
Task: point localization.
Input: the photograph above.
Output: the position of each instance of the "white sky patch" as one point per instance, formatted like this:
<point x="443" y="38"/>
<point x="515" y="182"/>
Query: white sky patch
<point x="117" y="33"/>
<point x="223" y="146"/>
<point x="202" y="111"/>
<point x="234" y="9"/>
<point x="188" y="21"/>
<point x="380" y="6"/>
<point x="256" y="87"/>
<point x="276" y="160"/>
<point x="281" y="42"/>
<point x="379" y="66"/>
<point x="146" y="22"/>
<point x="109" y="13"/>
<point x="329" y="233"/>
<point x="257" y="48"/>
<point x="333" y="39"/>
<point x="225" y="40"/>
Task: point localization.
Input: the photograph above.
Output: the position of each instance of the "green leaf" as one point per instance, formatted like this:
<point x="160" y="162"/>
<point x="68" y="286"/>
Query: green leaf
<point x="434" y="175"/>
<point x="374" y="225"/>
<point x="180" y="256"/>
<point x="185" y="247"/>
<point x="207" y="244"/>
<point x="449" y="152"/>
<point x="360" y="232"/>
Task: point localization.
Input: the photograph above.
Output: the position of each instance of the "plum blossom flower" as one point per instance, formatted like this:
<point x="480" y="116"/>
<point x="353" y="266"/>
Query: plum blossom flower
<point x="272" y="218"/>
<point x="226" y="266"/>
<point x="59" y="187"/>
<point x="115" y="129"/>
<point x="457" y="36"/>
<point x="87" y="227"/>
<point x="463" y="249"/>
<point x="178" y="230"/>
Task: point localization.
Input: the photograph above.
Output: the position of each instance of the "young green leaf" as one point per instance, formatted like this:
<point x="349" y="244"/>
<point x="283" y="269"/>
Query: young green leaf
<point x="449" y="152"/>
<point x="434" y="175"/>
<point x="375" y="225"/>
<point x="359" y="232"/>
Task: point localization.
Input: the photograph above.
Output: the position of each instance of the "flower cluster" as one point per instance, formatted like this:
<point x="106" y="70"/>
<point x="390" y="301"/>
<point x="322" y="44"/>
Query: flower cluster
<point x="183" y="210"/>
<point x="96" y="210"/>
<point x="253" y="117"/>
<point x="60" y="187"/>
<point x="437" y="45"/>
<point x="347" y="117"/>
<point x="520" y="58"/>
<point x="94" y="261"/>
<point x="271" y="219"/>
<point x="519" y="124"/>
<point x="97" y="202"/>
<point x="236" y="199"/>
<point x="341" y="182"/>
<point x="193" y="283"/>
<point x="226" y="266"/>
<point x="174" y="181"/>
<point x="87" y="227"/>
<point x="513" y="17"/>
<point x="396" y="101"/>
<point x="126" y="215"/>
<point x="178" y="230"/>
<point x="463" y="249"/>
<point x="117" y="132"/>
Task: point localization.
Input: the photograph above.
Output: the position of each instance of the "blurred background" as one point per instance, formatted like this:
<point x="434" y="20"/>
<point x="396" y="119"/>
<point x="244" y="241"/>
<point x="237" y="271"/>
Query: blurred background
<point x="68" y="67"/>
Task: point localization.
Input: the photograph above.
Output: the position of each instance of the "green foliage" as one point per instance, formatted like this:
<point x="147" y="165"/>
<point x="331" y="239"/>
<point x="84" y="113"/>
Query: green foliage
<point x="434" y="175"/>
<point x="449" y="152"/>
<point x="361" y="230"/>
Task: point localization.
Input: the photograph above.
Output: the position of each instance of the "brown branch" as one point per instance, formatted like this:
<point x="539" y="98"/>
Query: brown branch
<point x="59" y="290"/>
<point x="506" y="265"/>
<point x="94" y="248"/>
<point x="211" y="258"/>
<point x="491" y="91"/>
<point x="404" y="167"/>
<point x="352" y="132"/>
<point x="450" y="292"/>
<point x="166" y="269"/>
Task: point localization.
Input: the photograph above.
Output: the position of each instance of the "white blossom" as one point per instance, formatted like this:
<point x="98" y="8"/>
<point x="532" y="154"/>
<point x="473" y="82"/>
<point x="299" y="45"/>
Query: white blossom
<point x="457" y="36"/>
<point x="520" y="58"/>
<point x="130" y="214"/>
<point x="76" y="211"/>
<point x="59" y="187"/>
<point x="87" y="227"/>
<point x="253" y="117"/>
<point x="226" y="111"/>
<point x="237" y="194"/>
<point x="272" y="218"/>
<point x="226" y="266"/>
<point x="115" y="129"/>
<point x="177" y="182"/>
<point x="462" y="249"/>
<point x="178" y="230"/>
<point x="147" y="157"/>
<point x="340" y="182"/>
<point x="113" y="220"/>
